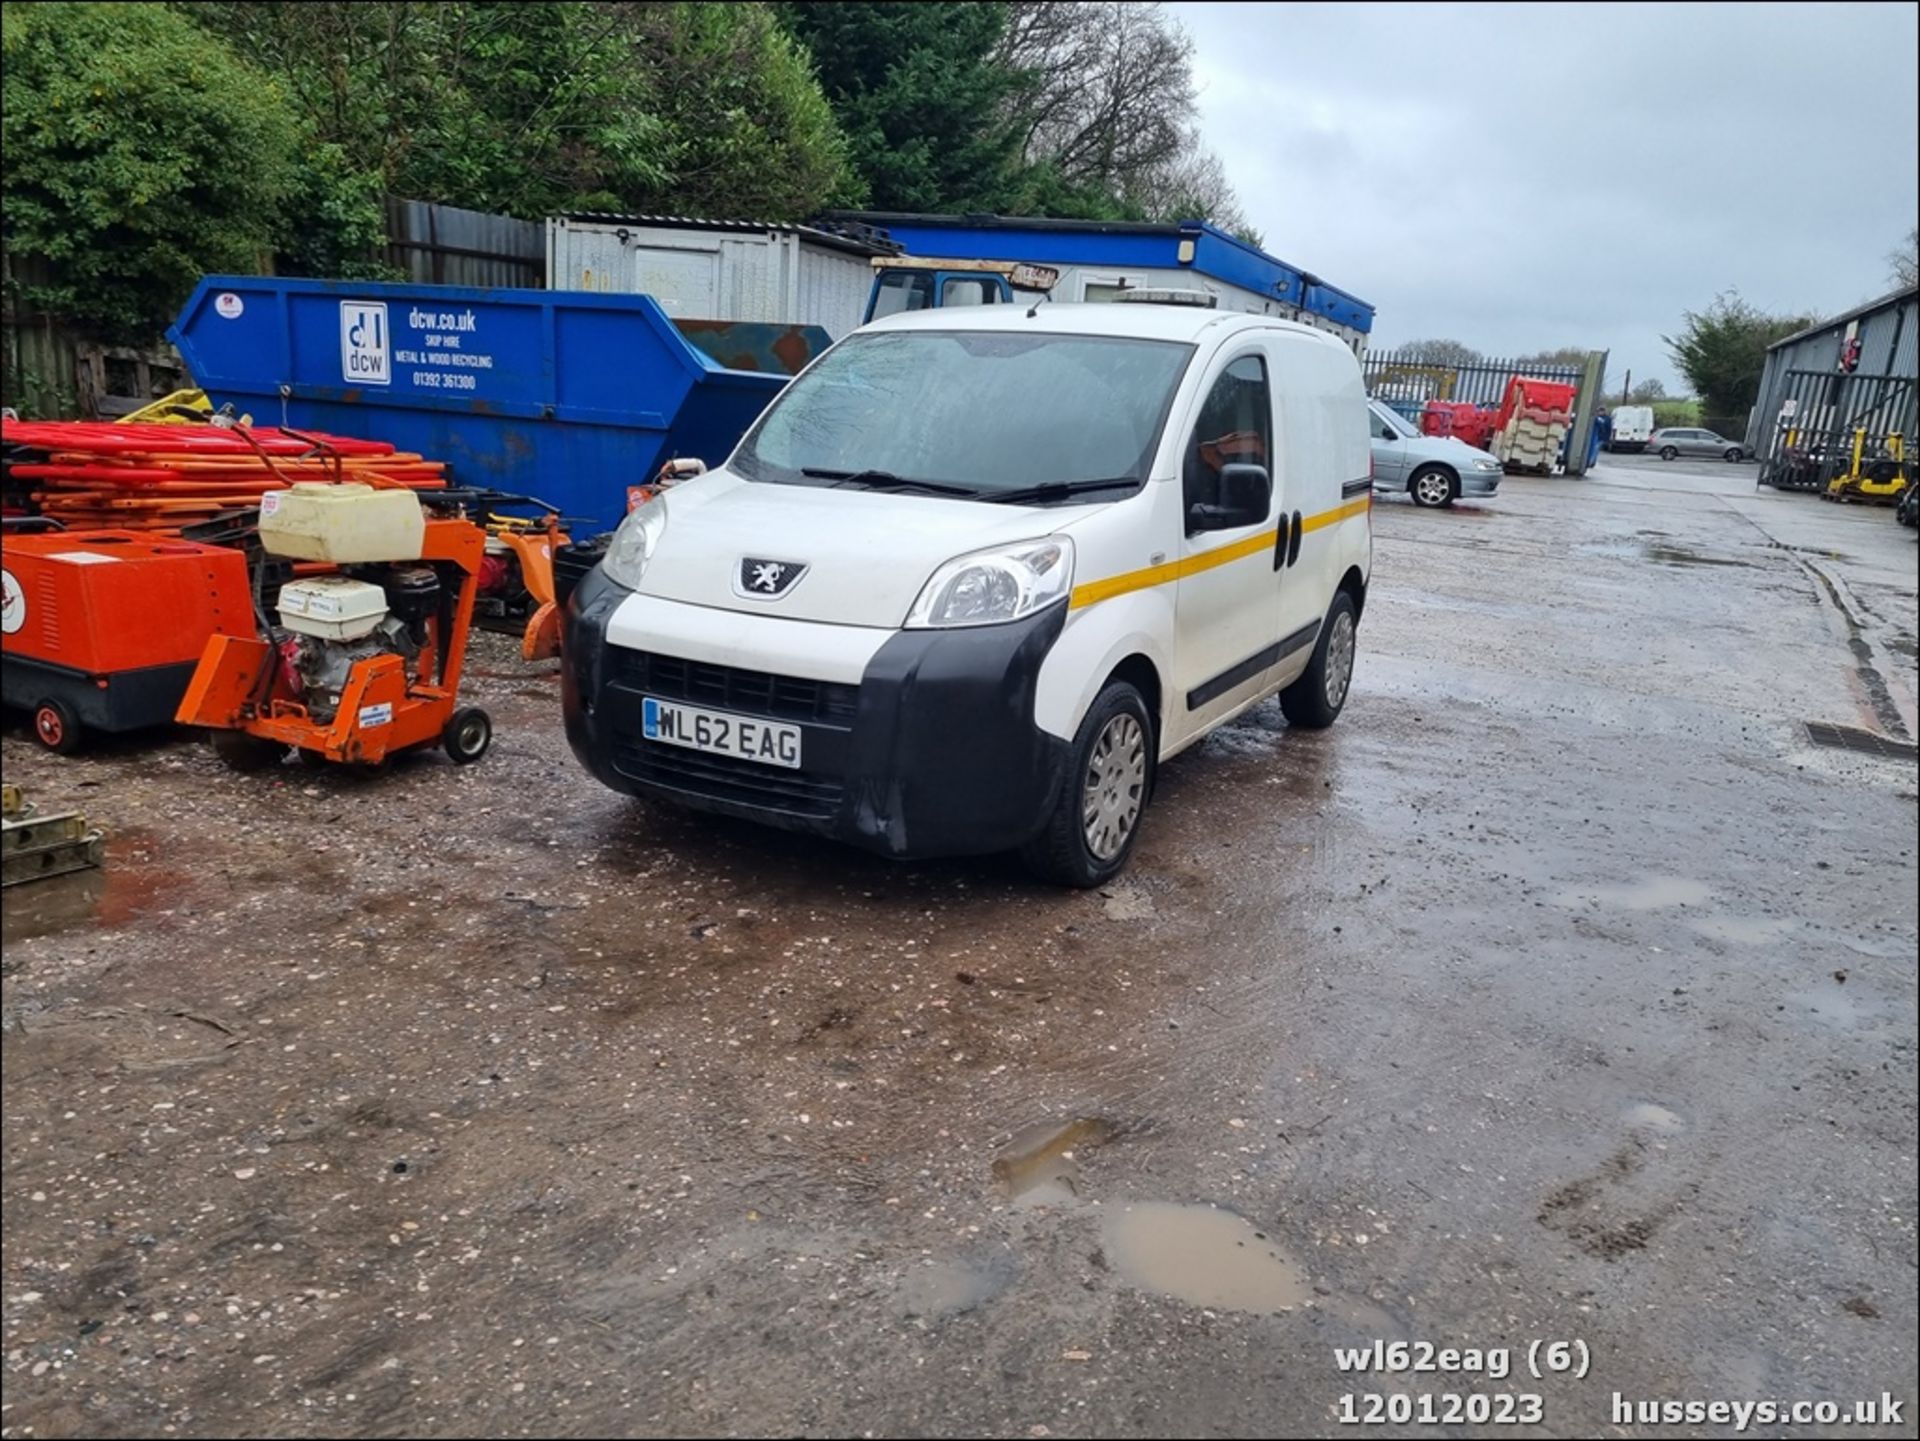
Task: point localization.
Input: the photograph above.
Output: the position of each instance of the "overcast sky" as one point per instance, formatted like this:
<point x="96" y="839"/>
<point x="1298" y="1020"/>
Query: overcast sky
<point x="1528" y="176"/>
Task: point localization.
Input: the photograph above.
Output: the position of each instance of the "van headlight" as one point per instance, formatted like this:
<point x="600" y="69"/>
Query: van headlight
<point x="991" y="587"/>
<point x="634" y="542"/>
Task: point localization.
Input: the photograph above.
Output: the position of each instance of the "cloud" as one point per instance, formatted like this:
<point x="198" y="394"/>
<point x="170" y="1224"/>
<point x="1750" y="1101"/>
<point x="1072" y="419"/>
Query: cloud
<point x="1523" y="177"/>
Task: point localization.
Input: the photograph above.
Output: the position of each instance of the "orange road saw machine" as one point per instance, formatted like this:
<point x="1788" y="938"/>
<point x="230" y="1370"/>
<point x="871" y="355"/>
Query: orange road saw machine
<point x="363" y="659"/>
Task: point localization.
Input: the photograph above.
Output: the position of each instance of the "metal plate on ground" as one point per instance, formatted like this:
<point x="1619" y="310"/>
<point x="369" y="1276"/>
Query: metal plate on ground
<point x="1861" y="742"/>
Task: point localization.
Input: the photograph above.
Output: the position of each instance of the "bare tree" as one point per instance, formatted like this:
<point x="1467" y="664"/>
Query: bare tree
<point x="1903" y="261"/>
<point x="1438" y="352"/>
<point x="1193" y="185"/>
<point x="1108" y="101"/>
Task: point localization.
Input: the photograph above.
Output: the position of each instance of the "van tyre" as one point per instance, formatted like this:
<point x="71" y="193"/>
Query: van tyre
<point x="56" y="727"/>
<point x="1433" y="487"/>
<point x="1315" y="700"/>
<point x="1095" y="821"/>
<point x="468" y="735"/>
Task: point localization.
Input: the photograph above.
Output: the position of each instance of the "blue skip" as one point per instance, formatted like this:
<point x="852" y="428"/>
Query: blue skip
<point x="571" y="396"/>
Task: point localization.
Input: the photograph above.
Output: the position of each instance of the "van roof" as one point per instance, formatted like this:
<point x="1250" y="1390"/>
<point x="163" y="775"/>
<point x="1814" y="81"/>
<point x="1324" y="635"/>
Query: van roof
<point x="1136" y="321"/>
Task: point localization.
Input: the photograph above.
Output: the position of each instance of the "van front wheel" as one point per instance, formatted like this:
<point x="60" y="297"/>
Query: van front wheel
<point x="1087" y="839"/>
<point x="1315" y="700"/>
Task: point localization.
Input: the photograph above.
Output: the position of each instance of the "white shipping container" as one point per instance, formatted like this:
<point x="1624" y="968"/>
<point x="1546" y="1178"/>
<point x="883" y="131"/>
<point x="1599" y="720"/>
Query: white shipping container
<point x="716" y="270"/>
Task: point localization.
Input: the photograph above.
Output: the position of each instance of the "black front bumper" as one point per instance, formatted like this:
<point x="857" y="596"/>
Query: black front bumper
<point x="934" y="753"/>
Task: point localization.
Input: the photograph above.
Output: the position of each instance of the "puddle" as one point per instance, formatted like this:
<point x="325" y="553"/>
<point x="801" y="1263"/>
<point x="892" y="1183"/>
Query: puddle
<point x="951" y="1288"/>
<point x="110" y="897"/>
<point x="1836" y="1006"/>
<point x="1039" y="1165"/>
<point x="42" y="908"/>
<point x="1656" y="1119"/>
<point x="1673" y="555"/>
<point x="1203" y="1256"/>
<point x="1741" y="930"/>
<point x="1652" y="894"/>
<point x="1658" y="554"/>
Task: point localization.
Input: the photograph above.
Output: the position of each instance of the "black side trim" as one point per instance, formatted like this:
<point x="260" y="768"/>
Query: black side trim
<point x="122" y="700"/>
<point x="1246" y="670"/>
<point x="1356" y="487"/>
<point x="1305" y="636"/>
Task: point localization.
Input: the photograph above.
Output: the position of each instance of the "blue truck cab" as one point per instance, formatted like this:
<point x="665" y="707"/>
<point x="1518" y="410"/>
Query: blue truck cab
<point x="903" y="283"/>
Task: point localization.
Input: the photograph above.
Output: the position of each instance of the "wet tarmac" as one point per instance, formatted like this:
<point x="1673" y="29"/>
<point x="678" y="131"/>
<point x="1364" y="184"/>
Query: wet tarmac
<point x="1564" y="991"/>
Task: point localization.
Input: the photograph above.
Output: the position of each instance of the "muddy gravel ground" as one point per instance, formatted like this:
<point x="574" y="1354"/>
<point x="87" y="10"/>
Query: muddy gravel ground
<point x="1563" y="992"/>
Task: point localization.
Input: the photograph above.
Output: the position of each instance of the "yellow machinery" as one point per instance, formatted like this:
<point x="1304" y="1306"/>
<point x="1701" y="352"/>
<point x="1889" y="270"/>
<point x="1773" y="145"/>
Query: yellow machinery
<point x="180" y="407"/>
<point x="1879" y="479"/>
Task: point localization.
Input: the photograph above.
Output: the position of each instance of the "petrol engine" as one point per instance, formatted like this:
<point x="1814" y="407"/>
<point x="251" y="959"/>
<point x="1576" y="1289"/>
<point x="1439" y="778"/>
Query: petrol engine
<point x="328" y="622"/>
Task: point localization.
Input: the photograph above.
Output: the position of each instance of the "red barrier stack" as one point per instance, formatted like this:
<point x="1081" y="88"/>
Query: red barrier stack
<point x="157" y="478"/>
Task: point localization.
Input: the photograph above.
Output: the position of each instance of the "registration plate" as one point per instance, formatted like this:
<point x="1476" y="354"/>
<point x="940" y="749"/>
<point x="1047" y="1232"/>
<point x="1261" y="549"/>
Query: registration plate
<point x="743" y="737"/>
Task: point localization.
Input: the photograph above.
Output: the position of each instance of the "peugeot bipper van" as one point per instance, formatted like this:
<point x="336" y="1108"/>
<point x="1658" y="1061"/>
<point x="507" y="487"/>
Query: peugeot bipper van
<point x="977" y="572"/>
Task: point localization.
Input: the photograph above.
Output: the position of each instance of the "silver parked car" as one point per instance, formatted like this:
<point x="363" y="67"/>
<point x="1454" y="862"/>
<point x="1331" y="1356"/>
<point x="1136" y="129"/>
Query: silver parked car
<point x="1435" y="470"/>
<point x="1676" y="441"/>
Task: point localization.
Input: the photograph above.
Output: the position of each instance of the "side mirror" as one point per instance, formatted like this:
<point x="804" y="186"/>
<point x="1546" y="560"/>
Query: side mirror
<point x="1246" y="495"/>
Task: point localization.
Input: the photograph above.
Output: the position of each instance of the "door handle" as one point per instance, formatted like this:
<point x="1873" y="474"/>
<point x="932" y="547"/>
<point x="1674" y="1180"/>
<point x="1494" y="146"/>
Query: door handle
<point x="1293" y="547"/>
<point x="1280" y="541"/>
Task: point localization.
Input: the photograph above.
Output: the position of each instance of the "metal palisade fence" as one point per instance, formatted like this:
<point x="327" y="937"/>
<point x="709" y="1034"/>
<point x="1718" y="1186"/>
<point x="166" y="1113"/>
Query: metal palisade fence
<point x="1821" y="416"/>
<point x="1409" y="378"/>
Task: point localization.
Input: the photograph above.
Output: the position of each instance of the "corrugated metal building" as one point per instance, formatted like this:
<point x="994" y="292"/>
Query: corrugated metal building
<point x="1806" y="386"/>
<point x="719" y="269"/>
<point x="1098" y="259"/>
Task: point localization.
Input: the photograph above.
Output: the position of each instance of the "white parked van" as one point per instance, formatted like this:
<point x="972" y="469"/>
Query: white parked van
<point x="977" y="572"/>
<point x="1632" y="428"/>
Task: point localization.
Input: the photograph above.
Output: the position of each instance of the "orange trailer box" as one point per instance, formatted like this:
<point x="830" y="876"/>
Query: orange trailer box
<point x="103" y="628"/>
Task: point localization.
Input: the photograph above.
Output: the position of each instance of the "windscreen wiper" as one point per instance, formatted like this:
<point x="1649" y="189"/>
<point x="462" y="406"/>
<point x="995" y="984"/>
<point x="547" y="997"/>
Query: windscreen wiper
<point x="887" y="480"/>
<point x="1057" y="490"/>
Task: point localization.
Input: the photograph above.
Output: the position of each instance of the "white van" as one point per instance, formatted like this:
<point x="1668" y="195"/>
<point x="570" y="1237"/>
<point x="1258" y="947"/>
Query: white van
<point x="1632" y="428"/>
<point x="977" y="572"/>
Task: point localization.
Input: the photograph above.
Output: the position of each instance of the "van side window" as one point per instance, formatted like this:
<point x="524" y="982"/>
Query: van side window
<point x="902" y="290"/>
<point x="967" y="291"/>
<point x="1235" y="428"/>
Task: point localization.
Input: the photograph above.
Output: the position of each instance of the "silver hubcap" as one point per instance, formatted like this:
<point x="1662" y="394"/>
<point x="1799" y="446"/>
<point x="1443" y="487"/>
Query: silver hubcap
<point x="1433" y="489"/>
<point x="1116" y="779"/>
<point x="1339" y="659"/>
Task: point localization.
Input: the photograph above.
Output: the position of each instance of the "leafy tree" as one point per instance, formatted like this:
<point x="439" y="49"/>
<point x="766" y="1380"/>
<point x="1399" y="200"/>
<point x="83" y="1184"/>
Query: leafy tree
<point x="531" y="109"/>
<point x="1722" y="350"/>
<point x="748" y="129"/>
<point x="141" y="154"/>
<point x="920" y="97"/>
<point x="521" y="108"/>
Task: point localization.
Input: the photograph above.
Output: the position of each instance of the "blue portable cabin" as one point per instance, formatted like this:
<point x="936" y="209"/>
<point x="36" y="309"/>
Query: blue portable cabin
<point x="1098" y="258"/>
<point x="565" y="395"/>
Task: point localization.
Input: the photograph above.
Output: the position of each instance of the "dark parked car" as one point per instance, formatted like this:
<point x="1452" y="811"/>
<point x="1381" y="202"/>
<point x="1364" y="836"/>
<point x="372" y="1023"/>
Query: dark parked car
<point x="1678" y="440"/>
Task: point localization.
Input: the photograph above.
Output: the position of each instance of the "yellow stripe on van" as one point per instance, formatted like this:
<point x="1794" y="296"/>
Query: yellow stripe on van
<point x="1095" y="591"/>
<point x="1336" y="515"/>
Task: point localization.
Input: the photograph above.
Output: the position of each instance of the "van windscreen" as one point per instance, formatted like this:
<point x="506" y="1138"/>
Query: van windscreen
<point x="972" y="411"/>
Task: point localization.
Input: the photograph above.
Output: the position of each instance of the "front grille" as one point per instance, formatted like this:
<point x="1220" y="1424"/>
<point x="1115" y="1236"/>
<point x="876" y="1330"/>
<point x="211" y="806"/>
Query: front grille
<point x="725" y="687"/>
<point x="797" y="793"/>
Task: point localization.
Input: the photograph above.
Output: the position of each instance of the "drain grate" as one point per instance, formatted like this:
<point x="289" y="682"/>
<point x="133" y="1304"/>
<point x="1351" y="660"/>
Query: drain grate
<point x="1866" y="743"/>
